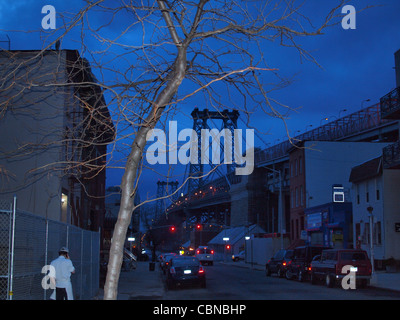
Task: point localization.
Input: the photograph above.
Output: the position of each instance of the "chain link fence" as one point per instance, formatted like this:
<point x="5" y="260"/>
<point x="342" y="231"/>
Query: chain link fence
<point x="29" y="242"/>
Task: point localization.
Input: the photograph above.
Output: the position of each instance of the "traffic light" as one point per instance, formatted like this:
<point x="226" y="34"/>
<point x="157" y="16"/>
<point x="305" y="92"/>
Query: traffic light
<point x="172" y="229"/>
<point x="198" y="226"/>
<point x="228" y="247"/>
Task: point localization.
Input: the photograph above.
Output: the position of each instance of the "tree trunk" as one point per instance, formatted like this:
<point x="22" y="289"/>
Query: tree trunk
<point x="129" y="177"/>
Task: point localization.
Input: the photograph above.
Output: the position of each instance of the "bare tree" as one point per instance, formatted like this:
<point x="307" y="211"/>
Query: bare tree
<point x="218" y="48"/>
<point x="164" y="54"/>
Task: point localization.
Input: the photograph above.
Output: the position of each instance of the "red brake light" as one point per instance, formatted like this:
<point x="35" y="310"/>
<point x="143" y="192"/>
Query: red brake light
<point x="198" y="252"/>
<point x="212" y="251"/>
<point x="201" y="269"/>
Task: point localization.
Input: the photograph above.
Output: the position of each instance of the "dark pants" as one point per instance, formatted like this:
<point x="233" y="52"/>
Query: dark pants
<point x="61" y="294"/>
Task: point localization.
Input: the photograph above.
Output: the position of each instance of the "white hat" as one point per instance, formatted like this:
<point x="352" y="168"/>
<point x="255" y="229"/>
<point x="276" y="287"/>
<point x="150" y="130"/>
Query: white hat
<point x="64" y="249"/>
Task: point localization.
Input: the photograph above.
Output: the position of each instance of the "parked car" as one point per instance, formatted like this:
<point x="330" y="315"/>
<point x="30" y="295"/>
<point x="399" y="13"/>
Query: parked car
<point x="240" y="256"/>
<point x="184" y="270"/>
<point x="205" y="255"/>
<point x="328" y="266"/>
<point x="278" y="263"/>
<point x="300" y="268"/>
<point x="165" y="262"/>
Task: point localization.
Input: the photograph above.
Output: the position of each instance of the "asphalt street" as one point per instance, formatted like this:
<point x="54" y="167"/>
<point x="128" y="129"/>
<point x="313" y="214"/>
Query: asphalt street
<point x="227" y="282"/>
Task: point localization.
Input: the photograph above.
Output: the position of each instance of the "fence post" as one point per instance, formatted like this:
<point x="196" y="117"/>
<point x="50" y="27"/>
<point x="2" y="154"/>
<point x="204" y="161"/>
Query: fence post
<point x="80" y="296"/>
<point x="91" y="263"/>
<point x="46" y="250"/>
<point x="10" y="292"/>
<point x="67" y="244"/>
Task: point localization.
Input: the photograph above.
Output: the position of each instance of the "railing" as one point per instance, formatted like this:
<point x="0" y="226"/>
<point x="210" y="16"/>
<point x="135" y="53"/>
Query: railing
<point x="357" y="122"/>
<point x="390" y="104"/>
<point x="391" y="155"/>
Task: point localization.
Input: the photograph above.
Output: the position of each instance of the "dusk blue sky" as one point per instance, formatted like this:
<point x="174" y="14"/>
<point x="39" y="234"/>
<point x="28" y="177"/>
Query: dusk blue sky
<point x="356" y="64"/>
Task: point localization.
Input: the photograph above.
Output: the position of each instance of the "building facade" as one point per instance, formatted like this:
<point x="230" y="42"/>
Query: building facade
<point x="315" y="167"/>
<point x="54" y="131"/>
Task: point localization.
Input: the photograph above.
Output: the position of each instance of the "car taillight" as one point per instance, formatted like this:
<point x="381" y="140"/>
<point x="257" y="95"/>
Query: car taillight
<point x="198" y="252"/>
<point x="172" y="270"/>
<point x="201" y="269"/>
<point x="212" y="251"/>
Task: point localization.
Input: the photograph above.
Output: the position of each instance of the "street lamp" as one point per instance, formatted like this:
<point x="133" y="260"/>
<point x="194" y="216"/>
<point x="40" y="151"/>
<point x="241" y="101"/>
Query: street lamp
<point x="324" y="119"/>
<point x="371" y="241"/>
<point x="343" y="110"/>
<point x="362" y="102"/>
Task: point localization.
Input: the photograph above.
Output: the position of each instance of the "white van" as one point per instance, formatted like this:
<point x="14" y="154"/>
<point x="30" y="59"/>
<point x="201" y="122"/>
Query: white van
<point x="205" y="255"/>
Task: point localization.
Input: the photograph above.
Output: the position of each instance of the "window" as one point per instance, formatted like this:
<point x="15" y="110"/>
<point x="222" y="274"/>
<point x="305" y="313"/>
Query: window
<point x="300" y="165"/>
<point x="377" y="233"/>
<point x="331" y="255"/>
<point x="358" y="193"/>
<point x="295" y="167"/>
<point x="291" y="169"/>
<point x="292" y="197"/>
<point x="292" y="227"/>
<point x="366" y="192"/>
<point x="301" y="196"/>
<point x="353" y="256"/>
<point x="297" y="197"/>
<point x="377" y="190"/>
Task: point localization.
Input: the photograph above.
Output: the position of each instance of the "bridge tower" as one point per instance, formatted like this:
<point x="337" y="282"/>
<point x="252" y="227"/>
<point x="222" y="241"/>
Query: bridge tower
<point x="200" y="118"/>
<point x="164" y="188"/>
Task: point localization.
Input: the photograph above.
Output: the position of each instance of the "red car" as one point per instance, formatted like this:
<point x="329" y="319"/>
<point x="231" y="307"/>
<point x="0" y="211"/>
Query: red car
<point x="329" y="266"/>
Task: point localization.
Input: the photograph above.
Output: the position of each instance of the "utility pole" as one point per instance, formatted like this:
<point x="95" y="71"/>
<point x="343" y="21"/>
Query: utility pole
<point x="371" y="242"/>
<point x="280" y="208"/>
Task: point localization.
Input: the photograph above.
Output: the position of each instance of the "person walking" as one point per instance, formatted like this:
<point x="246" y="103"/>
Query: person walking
<point x="63" y="268"/>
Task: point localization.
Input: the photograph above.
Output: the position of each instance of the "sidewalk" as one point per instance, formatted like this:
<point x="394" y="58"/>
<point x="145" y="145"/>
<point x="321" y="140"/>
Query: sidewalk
<point x="139" y="284"/>
<point x="383" y="280"/>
